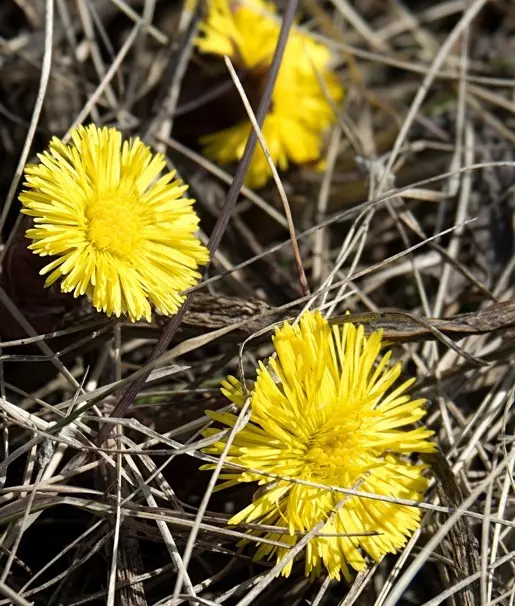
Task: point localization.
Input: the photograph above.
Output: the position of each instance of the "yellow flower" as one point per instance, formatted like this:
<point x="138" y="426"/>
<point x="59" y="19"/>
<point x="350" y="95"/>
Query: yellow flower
<point x="324" y="409"/>
<point x="122" y="234"/>
<point x="247" y="31"/>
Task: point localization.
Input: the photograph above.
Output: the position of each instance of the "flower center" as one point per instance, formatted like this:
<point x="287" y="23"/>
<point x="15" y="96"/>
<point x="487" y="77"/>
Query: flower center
<point x="329" y="453"/>
<point x="335" y="457"/>
<point x="114" y="224"/>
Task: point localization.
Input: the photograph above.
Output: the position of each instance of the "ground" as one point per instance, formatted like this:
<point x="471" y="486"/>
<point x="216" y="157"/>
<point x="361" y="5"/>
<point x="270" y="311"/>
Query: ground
<point x="408" y="224"/>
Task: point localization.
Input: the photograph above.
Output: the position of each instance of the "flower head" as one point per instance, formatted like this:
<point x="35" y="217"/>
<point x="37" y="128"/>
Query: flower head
<point x="325" y="410"/>
<point x="247" y="31"/>
<point x="121" y="233"/>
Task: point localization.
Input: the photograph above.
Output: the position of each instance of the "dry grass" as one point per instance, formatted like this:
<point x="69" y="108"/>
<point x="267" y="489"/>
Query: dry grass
<point x="414" y="213"/>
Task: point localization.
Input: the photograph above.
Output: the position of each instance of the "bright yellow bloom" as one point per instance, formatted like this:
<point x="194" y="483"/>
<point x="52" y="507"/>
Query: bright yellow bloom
<point x="325" y="409"/>
<point x="247" y="31"/>
<point x="122" y="234"/>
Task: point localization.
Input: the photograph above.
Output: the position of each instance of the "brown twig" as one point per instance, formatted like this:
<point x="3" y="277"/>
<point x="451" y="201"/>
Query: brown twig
<point x="221" y="225"/>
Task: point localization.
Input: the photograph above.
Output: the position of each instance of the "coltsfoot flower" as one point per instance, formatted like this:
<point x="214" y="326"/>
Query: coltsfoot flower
<point x="325" y="409"/>
<point x="120" y="233"/>
<point x="247" y="31"/>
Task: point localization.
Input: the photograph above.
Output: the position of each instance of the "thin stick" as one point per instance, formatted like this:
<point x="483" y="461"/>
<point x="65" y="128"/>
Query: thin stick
<point x="38" y="106"/>
<point x="224" y="176"/>
<point x="280" y="188"/>
<point x="242" y="420"/>
<point x="13" y="596"/>
<point x="221" y="225"/>
<point x="348" y="213"/>
<point x="436" y="539"/>
<point x="459" y="28"/>
<point x="111" y="72"/>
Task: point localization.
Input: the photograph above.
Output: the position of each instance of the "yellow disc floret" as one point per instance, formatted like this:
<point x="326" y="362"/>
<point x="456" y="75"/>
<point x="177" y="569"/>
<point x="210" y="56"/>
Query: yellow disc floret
<point x="114" y="224"/>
